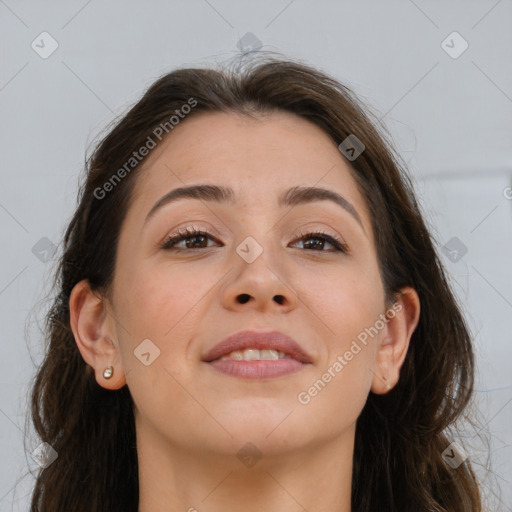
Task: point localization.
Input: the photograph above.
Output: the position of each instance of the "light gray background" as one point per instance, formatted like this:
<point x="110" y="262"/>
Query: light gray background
<point x="451" y="119"/>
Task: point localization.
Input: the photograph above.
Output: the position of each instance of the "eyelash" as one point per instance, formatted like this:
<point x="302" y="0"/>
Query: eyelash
<point x="170" y="241"/>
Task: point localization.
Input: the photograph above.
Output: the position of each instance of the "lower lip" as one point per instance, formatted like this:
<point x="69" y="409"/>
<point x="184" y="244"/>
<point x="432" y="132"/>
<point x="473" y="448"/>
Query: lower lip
<point x="258" y="369"/>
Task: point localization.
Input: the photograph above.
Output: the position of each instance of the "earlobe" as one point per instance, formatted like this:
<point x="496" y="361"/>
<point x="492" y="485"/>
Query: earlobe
<point x="403" y="320"/>
<point x="88" y="322"/>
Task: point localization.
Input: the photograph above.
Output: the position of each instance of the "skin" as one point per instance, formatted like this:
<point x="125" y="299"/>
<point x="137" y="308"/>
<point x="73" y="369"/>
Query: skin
<point x="191" y="420"/>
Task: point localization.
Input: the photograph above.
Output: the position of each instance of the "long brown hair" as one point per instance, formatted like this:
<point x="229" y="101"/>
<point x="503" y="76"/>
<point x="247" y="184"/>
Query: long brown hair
<point x="400" y="436"/>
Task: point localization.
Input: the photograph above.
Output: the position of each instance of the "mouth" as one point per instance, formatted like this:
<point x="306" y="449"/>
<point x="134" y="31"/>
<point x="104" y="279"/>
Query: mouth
<point x="258" y="355"/>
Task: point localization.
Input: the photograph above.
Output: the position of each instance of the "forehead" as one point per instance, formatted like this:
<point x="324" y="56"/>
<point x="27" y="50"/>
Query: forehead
<point x="257" y="157"/>
<point x="280" y="138"/>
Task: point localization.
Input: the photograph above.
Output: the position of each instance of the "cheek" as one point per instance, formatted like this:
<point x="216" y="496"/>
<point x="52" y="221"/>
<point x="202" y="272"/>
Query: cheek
<point x="339" y="389"/>
<point x="155" y="300"/>
<point x="157" y="304"/>
<point x="345" y="311"/>
<point x="346" y="301"/>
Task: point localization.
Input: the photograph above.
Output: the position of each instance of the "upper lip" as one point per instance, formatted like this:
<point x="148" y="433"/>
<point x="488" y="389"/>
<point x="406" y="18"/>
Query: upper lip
<point x="273" y="340"/>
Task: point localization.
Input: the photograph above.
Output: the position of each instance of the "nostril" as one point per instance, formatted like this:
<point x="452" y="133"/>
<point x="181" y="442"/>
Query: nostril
<point x="243" y="298"/>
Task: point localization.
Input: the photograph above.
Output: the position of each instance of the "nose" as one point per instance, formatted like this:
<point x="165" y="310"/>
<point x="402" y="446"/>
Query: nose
<point x="263" y="285"/>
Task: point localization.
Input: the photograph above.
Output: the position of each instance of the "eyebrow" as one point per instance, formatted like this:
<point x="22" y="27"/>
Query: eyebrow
<point x="220" y="194"/>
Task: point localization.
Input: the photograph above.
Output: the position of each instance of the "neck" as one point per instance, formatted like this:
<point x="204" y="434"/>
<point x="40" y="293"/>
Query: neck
<point x="191" y="479"/>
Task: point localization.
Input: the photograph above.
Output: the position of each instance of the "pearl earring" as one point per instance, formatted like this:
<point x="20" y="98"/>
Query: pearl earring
<point x="108" y="372"/>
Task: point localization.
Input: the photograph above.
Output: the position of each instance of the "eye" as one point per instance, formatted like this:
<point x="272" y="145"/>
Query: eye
<point x="338" y="244"/>
<point x="196" y="239"/>
<point x="196" y="236"/>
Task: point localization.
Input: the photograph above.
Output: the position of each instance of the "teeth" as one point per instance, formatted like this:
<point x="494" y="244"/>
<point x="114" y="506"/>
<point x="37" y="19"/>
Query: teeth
<point x="252" y="354"/>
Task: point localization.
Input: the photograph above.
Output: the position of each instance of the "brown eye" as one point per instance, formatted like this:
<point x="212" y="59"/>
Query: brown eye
<point x="194" y="239"/>
<point x="197" y="239"/>
<point x="324" y="237"/>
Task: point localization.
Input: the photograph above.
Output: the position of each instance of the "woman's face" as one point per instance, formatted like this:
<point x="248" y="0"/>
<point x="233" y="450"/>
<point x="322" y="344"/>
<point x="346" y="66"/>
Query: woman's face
<point x="187" y="298"/>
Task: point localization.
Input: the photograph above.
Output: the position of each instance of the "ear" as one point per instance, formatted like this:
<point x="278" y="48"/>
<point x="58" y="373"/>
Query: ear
<point x="91" y="326"/>
<point x="403" y="319"/>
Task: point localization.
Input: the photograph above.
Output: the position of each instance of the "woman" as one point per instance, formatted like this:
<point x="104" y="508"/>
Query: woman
<point x="251" y="313"/>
